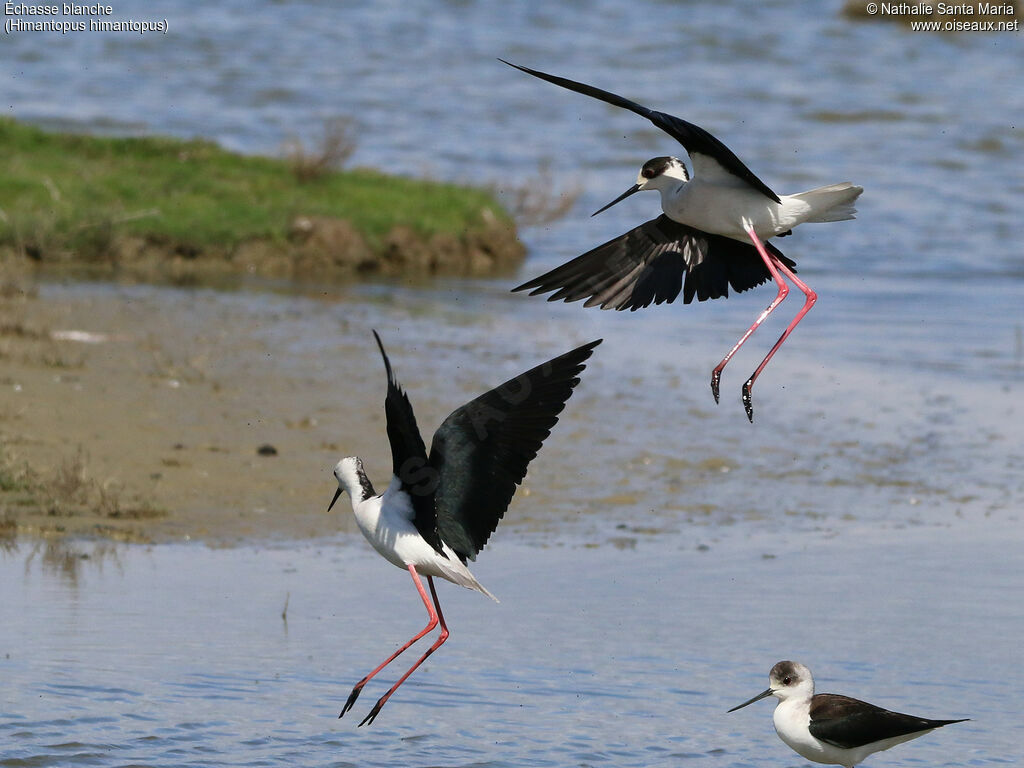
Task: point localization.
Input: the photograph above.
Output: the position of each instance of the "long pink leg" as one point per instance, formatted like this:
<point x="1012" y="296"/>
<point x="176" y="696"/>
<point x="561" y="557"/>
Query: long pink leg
<point x="434" y="617"/>
<point x="357" y="689"/>
<point x="809" y="298"/>
<point x="772" y="264"/>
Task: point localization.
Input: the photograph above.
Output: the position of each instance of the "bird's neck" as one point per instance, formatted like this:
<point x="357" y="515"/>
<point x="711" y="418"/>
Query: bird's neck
<point x="357" y="483"/>
<point x="673" y="198"/>
<point x="796" y="710"/>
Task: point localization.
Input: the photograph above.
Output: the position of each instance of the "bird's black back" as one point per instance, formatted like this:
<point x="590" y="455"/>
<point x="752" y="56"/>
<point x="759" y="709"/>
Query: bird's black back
<point x="481" y="451"/>
<point x="849" y="723"/>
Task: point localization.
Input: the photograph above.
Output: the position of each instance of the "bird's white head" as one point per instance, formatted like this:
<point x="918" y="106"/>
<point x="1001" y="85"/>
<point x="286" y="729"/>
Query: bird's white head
<point x="787" y="680"/>
<point x="791" y="679"/>
<point x="660" y="173"/>
<point x="352" y="478"/>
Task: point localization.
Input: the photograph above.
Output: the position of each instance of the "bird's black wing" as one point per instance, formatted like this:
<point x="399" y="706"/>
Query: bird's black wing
<point x="726" y="263"/>
<point x="648" y="265"/>
<point x="644" y="265"/>
<point x="482" y="449"/>
<point x="850" y="723"/>
<point x="409" y="456"/>
<point x="694" y="139"/>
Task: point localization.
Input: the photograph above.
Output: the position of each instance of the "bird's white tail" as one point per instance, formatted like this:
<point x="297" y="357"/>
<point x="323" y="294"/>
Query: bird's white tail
<point x="482" y="589"/>
<point x="831" y="203"/>
<point x="454" y="571"/>
<point x="472" y="583"/>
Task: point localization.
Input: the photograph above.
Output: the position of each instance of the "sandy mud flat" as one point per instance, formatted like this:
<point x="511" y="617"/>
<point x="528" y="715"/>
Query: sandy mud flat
<point x="120" y="422"/>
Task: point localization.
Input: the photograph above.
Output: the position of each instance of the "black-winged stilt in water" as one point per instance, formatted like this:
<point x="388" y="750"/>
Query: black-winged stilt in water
<point x="712" y="232"/>
<point x="833" y="729"/>
<point x="439" y="509"/>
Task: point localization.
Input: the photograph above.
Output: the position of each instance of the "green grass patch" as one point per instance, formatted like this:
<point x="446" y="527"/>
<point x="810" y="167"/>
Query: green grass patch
<point x="64" y="192"/>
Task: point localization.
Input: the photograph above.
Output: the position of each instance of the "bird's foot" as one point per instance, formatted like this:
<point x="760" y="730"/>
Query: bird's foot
<point x="716" y="378"/>
<point x="351" y="700"/>
<point x="374" y="712"/>
<point x="748" y="403"/>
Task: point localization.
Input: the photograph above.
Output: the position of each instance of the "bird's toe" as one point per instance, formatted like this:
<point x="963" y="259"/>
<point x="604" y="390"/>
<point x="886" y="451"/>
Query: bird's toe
<point x="373" y="713"/>
<point x="351" y="700"/>
<point x="748" y="401"/>
<point x="716" y="378"/>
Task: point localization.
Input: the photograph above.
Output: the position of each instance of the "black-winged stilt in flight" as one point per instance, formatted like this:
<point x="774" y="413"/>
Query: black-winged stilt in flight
<point x="833" y="729"/>
<point x="711" y="232"/>
<point x="439" y="509"/>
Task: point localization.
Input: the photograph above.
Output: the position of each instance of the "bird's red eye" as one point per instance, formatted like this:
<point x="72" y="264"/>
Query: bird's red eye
<point x="648" y="173"/>
<point x="787" y="681"/>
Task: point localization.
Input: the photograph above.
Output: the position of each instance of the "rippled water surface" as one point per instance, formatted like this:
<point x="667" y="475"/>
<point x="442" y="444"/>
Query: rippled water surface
<point x="867" y="524"/>
<point x="630" y="656"/>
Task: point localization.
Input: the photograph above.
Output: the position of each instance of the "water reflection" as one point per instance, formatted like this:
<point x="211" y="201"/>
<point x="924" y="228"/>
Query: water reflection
<point x="64" y="558"/>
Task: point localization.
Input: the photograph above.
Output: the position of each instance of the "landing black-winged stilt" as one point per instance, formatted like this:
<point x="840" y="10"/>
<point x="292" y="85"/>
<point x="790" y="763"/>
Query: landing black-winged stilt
<point x="833" y="729"/>
<point x="705" y="233"/>
<point x="439" y="510"/>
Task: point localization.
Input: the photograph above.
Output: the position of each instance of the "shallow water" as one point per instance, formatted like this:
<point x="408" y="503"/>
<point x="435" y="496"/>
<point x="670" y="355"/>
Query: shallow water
<point x="179" y="655"/>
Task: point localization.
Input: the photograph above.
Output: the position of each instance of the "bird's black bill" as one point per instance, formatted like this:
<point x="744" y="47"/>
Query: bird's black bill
<point x="762" y="695"/>
<point x="619" y="199"/>
<point x="337" y="493"/>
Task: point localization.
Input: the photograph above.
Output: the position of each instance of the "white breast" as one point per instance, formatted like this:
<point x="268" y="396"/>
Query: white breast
<point x="723" y="210"/>
<point x="791" y="719"/>
<point x="386" y="522"/>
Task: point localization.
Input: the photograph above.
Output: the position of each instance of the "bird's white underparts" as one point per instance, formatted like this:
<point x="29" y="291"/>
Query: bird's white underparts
<point x="439" y="509"/>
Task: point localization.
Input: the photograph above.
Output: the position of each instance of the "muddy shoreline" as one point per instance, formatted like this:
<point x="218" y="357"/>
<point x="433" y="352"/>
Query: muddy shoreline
<point x="148" y="413"/>
<point x="114" y="424"/>
<point x="317" y="248"/>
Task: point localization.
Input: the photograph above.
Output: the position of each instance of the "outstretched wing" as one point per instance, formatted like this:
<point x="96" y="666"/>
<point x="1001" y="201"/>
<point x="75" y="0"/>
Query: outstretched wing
<point x="648" y="265"/>
<point x="409" y="455"/>
<point x="850" y="723"/>
<point x="728" y="263"/>
<point x="481" y="451"/>
<point x="704" y="149"/>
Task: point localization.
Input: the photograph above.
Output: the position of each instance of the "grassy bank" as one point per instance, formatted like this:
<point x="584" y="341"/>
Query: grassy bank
<point x="157" y="202"/>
